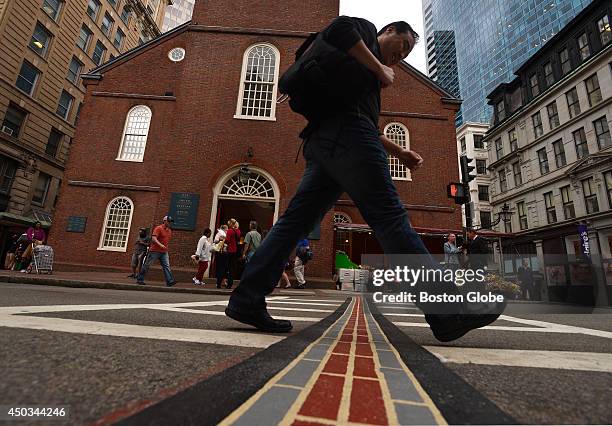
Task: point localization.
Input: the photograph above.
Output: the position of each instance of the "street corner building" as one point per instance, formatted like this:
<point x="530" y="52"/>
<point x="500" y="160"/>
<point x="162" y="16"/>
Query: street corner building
<point x="188" y="124"/>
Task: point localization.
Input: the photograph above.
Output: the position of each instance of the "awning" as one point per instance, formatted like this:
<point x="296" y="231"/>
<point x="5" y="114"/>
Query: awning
<point x="16" y="219"/>
<point x="425" y="231"/>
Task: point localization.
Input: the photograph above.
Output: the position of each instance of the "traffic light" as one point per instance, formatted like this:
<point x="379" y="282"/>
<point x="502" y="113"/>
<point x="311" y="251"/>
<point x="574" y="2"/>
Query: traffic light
<point x="466" y="169"/>
<point x="458" y="192"/>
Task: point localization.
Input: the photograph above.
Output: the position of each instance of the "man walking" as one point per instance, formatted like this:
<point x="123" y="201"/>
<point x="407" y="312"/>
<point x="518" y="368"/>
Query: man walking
<point x="140" y="251"/>
<point x="302" y="256"/>
<point x="347" y="153"/>
<point x="525" y="278"/>
<point x="252" y="241"/>
<point x="162" y="234"/>
<point x="451" y="252"/>
<point x="477" y="250"/>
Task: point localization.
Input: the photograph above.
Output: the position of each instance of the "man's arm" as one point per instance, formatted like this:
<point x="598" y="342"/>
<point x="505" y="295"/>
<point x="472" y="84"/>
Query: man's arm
<point x="409" y="158"/>
<point x="156" y="241"/>
<point x="343" y="34"/>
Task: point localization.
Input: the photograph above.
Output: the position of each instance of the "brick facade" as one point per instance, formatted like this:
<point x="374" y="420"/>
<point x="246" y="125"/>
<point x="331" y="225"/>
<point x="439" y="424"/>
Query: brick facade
<point x="194" y="138"/>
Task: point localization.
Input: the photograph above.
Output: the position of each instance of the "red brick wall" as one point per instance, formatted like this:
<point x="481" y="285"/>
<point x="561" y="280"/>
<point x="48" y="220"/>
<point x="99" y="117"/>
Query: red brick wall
<point x="195" y="139"/>
<point x="291" y="15"/>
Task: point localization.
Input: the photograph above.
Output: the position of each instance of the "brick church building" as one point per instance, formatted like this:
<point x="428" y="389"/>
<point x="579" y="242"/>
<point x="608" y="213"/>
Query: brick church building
<point x="187" y="124"/>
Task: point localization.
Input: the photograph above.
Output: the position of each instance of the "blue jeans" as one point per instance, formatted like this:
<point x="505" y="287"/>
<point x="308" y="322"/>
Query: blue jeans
<point x="341" y="156"/>
<point x="164" y="261"/>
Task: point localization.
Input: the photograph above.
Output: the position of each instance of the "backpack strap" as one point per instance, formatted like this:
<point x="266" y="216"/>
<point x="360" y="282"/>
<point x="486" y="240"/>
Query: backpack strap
<point x="304" y="47"/>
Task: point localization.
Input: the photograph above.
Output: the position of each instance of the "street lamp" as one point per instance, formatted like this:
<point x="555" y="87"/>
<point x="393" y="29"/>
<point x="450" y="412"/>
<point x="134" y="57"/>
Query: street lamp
<point x="504" y="215"/>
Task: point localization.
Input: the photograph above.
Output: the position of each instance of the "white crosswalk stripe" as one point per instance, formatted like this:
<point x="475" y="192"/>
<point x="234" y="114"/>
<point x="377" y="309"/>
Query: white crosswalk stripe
<point x="17" y="317"/>
<point x="561" y="360"/>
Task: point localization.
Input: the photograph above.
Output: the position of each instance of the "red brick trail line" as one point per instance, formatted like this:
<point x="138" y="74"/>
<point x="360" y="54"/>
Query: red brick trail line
<point x="350" y="376"/>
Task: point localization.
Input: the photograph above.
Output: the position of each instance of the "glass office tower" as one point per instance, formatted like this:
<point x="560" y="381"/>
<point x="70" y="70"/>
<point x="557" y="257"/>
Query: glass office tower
<point x="178" y="13"/>
<point x="492" y="39"/>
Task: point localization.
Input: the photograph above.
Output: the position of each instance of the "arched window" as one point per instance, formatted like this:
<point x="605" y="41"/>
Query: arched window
<point x="398" y="134"/>
<point x="258" y="83"/>
<point x="340" y="218"/>
<point x="117" y="224"/>
<point x="255" y="186"/>
<point x="135" y="134"/>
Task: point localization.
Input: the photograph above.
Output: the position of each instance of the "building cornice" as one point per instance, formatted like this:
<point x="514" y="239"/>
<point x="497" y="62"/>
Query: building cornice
<point x="549" y="134"/>
<point x="539" y="101"/>
<point x="134" y="96"/>
<point x="413" y="115"/>
<point x="109" y="185"/>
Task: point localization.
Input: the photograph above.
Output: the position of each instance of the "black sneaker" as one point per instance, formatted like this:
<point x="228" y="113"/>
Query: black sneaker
<point x="260" y="320"/>
<point x="447" y="328"/>
<point x="172" y="284"/>
<point x="131" y="276"/>
<point x="141" y="283"/>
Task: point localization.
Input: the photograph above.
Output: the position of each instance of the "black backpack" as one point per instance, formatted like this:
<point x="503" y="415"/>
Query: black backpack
<point x="324" y="81"/>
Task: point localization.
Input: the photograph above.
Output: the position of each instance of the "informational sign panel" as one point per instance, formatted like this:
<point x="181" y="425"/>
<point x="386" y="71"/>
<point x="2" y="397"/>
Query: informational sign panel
<point x="184" y="210"/>
<point x="76" y="224"/>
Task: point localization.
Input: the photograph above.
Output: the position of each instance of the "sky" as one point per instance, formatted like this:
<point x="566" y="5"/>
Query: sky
<point x="382" y="12"/>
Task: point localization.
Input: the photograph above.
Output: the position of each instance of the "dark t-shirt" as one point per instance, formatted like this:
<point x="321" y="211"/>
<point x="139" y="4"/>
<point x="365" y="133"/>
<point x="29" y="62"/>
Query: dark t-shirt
<point x="343" y="33"/>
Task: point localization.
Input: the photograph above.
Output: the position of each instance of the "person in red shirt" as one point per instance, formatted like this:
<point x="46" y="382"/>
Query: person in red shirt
<point x="162" y="234"/>
<point x="226" y="260"/>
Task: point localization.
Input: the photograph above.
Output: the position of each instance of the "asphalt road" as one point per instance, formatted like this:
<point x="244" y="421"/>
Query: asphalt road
<point x="107" y="354"/>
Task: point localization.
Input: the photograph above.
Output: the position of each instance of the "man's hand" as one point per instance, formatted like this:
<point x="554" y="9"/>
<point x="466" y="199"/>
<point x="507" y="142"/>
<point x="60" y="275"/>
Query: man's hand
<point x="410" y="159"/>
<point x="386" y="75"/>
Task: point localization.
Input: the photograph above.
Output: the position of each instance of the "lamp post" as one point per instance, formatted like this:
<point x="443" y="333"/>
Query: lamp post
<point x="504" y="215"/>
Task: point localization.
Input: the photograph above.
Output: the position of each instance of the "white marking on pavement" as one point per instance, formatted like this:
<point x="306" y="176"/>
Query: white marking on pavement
<point x="404" y="315"/>
<point x="284" y="302"/>
<point x="562" y="360"/>
<point x="546" y="327"/>
<point x="222" y="314"/>
<point x="562" y="328"/>
<point x="217" y="337"/>
<point x="16" y="317"/>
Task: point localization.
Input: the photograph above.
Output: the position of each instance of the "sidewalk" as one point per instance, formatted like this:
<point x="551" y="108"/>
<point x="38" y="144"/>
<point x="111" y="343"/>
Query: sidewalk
<point x="120" y="281"/>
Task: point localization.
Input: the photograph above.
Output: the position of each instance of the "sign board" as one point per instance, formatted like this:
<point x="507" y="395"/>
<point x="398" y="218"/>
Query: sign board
<point x="76" y="224"/>
<point x="583" y="233"/>
<point x="184" y="210"/>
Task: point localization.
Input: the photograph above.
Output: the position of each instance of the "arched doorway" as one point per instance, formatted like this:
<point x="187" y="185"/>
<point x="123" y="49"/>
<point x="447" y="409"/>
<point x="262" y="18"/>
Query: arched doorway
<point x="246" y="198"/>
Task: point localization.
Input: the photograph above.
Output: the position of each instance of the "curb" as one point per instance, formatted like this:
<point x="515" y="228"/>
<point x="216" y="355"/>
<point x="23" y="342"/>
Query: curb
<point x="58" y="282"/>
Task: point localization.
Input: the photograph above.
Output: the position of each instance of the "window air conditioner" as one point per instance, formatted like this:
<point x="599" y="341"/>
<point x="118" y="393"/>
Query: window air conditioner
<point x="7" y="130"/>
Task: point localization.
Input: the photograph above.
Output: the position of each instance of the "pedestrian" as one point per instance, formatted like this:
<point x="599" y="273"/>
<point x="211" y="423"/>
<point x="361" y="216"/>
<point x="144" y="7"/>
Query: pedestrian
<point x="345" y="152"/>
<point x="140" y="251"/>
<point x="36" y="236"/>
<point x="477" y="251"/>
<point x="9" y="260"/>
<point x="451" y="252"/>
<point x="302" y="255"/>
<point x="252" y="241"/>
<point x="220" y="253"/>
<point x="202" y="255"/>
<point x="226" y="261"/>
<point x="525" y="279"/>
<point x="158" y="250"/>
<point x="285" y="278"/>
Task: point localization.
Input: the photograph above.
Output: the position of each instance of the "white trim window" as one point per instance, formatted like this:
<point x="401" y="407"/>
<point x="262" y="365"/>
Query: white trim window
<point x="117" y="223"/>
<point x="398" y="134"/>
<point x="257" y="98"/>
<point x="135" y="133"/>
<point x="341" y="217"/>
